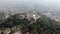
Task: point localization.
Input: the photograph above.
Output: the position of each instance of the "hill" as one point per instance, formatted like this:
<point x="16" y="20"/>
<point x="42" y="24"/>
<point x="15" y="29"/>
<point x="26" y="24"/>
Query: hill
<point x="42" y="25"/>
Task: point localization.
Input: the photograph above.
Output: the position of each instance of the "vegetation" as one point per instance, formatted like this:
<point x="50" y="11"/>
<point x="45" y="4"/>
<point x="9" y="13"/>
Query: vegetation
<point x="40" y="26"/>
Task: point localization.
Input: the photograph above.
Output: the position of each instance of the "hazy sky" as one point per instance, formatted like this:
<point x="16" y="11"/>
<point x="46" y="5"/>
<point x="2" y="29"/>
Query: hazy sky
<point x="37" y="1"/>
<point x="44" y="2"/>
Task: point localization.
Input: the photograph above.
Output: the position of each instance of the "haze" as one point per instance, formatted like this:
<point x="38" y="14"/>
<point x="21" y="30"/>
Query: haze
<point x="51" y="4"/>
<point x="43" y="2"/>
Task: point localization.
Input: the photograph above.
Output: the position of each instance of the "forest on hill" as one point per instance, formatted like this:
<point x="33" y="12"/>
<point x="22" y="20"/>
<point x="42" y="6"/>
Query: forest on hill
<point x="42" y="25"/>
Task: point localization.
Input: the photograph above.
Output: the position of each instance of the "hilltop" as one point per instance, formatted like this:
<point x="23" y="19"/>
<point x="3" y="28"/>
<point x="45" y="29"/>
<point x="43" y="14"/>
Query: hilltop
<point x="32" y="23"/>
